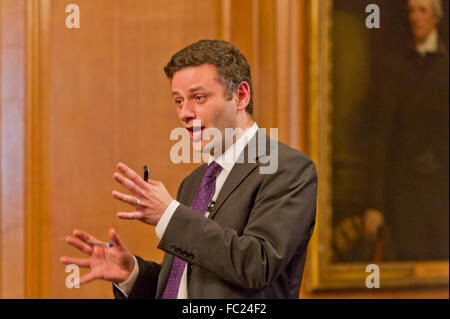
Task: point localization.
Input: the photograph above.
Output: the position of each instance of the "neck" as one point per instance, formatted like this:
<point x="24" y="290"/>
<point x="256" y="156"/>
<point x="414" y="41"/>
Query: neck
<point x="242" y="125"/>
<point x="245" y="121"/>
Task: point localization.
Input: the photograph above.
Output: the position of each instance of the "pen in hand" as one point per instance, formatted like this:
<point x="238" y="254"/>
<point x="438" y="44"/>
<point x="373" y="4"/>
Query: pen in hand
<point x="146" y="173"/>
<point x="91" y="242"/>
<point x="102" y="243"/>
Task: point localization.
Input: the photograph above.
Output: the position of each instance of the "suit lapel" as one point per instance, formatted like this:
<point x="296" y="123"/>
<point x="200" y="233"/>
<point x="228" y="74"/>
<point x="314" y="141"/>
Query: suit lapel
<point x="246" y="163"/>
<point x="239" y="172"/>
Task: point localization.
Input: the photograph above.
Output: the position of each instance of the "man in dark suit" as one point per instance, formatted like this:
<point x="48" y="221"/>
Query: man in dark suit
<point x="409" y="158"/>
<point x="239" y="228"/>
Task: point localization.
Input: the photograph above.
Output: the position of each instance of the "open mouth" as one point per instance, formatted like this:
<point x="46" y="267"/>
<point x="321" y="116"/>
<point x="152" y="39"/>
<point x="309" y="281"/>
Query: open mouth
<point x="195" y="132"/>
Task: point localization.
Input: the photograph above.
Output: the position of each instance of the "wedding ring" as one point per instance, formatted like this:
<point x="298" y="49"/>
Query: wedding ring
<point x="138" y="203"/>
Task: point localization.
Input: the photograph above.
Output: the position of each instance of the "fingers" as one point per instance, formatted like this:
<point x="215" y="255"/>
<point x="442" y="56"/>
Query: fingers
<point x="87" y="278"/>
<point x="131" y="200"/>
<point x="84" y="279"/>
<point x="132" y="175"/>
<point x="128" y="184"/>
<point x="82" y="262"/>
<point x="132" y="215"/>
<point x="133" y="182"/>
<point x="79" y="244"/>
<point x="114" y="237"/>
<point x="83" y="235"/>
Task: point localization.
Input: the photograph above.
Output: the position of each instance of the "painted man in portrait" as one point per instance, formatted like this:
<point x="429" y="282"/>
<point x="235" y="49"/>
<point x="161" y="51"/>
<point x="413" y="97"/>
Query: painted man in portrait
<point x="408" y="164"/>
<point x="413" y="202"/>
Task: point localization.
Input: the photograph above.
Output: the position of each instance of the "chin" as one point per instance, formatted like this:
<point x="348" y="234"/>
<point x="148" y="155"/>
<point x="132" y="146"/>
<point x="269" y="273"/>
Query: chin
<point x="420" y="36"/>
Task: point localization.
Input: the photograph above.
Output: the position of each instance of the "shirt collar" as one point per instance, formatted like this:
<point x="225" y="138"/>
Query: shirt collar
<point x="430" y="45"/>
<point x="227" y="159"/>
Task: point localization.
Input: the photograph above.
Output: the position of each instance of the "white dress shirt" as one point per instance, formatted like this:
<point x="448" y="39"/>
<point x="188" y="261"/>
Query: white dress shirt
<point x="226" y="161"/>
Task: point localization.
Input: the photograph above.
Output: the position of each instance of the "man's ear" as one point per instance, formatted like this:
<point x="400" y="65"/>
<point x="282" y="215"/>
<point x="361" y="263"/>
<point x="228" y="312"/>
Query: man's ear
<point x="243" y="96"/>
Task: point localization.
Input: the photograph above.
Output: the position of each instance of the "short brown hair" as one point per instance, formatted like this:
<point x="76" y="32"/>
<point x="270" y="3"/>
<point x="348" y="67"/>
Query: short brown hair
<point x="231" y="65"/>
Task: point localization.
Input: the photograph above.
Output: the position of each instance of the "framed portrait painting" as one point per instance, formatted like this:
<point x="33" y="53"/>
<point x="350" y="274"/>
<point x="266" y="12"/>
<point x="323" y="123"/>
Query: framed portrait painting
<point x="379" y="134"/>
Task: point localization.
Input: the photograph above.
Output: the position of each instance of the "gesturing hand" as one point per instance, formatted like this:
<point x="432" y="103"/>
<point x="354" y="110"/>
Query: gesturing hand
<point x="109" y="263"/>
<point x="150" y="199"/>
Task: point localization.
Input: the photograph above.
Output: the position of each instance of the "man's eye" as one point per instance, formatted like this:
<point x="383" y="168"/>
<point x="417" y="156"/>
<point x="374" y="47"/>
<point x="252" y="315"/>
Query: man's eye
<point x="199" y="97"/>
<point x="179" y="101"/>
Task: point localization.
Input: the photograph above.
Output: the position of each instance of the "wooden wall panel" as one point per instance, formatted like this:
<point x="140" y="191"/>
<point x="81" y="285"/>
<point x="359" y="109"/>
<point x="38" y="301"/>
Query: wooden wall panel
<point x="12" y="109"/>
<point x="266" y="31"/>
<point x="109" y="102"/>
<point x="265" y="95"/>
<point x="1" y="242"/>
<point x="1" y="66"/>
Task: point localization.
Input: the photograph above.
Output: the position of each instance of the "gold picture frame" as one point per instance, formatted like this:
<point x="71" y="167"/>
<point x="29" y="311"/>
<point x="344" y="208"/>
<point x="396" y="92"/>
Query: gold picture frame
<point x="322" y="273"/>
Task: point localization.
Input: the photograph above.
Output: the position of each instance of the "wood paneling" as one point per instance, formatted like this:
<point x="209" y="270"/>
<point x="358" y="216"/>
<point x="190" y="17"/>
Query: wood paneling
<point x="1" y="242"/>
<point x="109" y="101"/>
<point x="265" y="94"/>
<point x="12" y="103"/>
<point x="266" y="31"/>
<point x="37" y="274"/>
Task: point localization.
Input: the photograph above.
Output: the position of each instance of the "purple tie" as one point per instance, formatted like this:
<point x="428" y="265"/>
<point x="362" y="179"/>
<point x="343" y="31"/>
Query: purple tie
<point x="200" y="203"/>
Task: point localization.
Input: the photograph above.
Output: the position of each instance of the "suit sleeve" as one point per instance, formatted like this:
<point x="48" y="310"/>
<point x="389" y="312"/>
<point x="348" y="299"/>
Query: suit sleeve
<point x="279" y="226"/>
<point x="146" y="282"/>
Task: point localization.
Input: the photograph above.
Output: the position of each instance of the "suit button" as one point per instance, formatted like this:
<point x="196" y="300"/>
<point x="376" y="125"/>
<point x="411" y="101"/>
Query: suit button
<point x="176" y="249"/>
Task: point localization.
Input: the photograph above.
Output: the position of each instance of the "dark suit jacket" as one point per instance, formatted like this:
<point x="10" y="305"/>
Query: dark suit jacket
<point x="254" y="243"/>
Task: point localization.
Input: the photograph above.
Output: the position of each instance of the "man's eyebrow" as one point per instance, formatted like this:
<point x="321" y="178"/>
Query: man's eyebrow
<point x="193" y="89"/>
<point x="196" y="88"/>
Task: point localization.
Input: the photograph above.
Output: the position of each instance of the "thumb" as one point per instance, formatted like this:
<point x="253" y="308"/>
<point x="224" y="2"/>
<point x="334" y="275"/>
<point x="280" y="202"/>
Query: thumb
<point x="115" y="239"/>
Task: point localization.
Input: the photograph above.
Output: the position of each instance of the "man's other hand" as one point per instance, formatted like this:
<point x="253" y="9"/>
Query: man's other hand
<point x="149" y="199"/>
<point x="114" y="264"/>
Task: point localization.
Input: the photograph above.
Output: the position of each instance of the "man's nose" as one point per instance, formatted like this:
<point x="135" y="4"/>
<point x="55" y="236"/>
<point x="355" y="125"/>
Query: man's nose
<point x="186" y="111"/>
